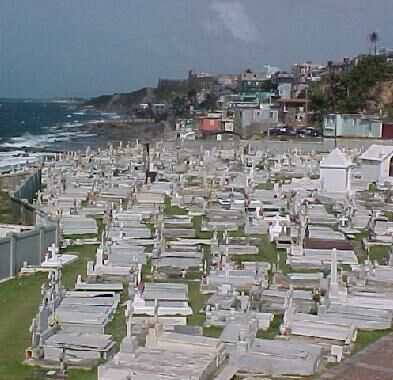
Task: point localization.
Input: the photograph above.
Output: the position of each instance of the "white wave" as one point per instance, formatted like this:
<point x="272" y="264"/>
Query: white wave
<point x="18" y="158"/>
<point x="97" y="121"/>
<point x="26" y="140"/>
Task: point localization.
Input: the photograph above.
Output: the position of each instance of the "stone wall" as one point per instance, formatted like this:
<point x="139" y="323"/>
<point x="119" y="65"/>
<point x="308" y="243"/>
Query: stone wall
<point x="28" y="246"/>
<point x="28" y="187"/>
<point x="22" y="197"/>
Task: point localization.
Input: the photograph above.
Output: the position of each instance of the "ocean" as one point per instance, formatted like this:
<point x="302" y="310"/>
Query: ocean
<point x="29" y="125"/>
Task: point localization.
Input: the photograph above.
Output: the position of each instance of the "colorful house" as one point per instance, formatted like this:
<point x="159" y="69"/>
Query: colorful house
<point x="210" y="123"/>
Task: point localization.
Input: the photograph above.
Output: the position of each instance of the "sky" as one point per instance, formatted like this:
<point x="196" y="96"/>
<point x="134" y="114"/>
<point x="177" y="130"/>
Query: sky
<point x="64" y="48"/>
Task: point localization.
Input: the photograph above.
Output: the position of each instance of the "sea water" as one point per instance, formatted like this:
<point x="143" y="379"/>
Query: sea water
<point x="28" y="124"/>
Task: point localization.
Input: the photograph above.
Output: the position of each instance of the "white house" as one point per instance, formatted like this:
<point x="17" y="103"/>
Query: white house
<point x="335" y="172"/>
<point x="348" y="125"/>
<point x="377" y="163"/>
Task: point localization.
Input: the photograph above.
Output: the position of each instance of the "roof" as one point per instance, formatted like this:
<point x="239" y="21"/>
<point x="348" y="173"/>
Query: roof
<point x="335" y="159"/>
<point x="342" y="245"/>
<point x="293" y="101"/>
<point x="377" y="152"/>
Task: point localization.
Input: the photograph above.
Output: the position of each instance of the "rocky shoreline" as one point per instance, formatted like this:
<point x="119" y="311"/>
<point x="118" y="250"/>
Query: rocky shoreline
<point x="113" y="130"/>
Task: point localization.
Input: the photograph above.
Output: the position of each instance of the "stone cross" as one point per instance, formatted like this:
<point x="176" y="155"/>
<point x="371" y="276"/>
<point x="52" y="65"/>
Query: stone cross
<point x="139" y="273"/>
<point x="215" y="237"/>
<point x="225" y="236"/>
<point x="243" y="302"/>
<point x="333" y="268"/>
<point x="120" y="205"/>
<point x="226" y="269"/>
<point x="129" y="313"/>
<point x="343" y="220"/>
<point x="54" y="251"/>
<point x="121" y="230"/>
<point x="43" y="291"/>
<point x="156" y="310"/>
<point x="100" y="254"/>
<point x="34" y="335"/>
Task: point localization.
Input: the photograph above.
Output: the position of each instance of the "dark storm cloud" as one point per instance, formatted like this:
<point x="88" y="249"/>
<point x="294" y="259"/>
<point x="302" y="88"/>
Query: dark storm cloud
<point x="89" y="47"/>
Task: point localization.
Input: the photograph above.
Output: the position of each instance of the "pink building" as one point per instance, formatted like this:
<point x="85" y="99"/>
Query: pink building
<point x="210" y="124"/>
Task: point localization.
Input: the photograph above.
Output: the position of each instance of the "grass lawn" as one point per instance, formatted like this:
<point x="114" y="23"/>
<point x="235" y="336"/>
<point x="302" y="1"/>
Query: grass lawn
<point x="173" y="210"/>
<point x="365" y="338"/>
<point x="358" y="246"/>
<point x="117" y="327"/>
<point x="6" y="214"/>
<point x="266" y="252"/>
<point x="212" y="332"/>
<point x="273" y="330"/>
<point x="389" y="215"/>
<point x="379" y="253"/>
<point x="197" y="221"/>
<point x="265" y="186"/>
<point x="19" y="300"/>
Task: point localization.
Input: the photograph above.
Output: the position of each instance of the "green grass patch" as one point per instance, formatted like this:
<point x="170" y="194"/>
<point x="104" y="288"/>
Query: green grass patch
<point x="358" y="245"/>
<point x="266" y="252"/>
<point x="329" y="209"/>
<point x="19" y="300"/>
<point x="265" y="186"/>
<point x="273" y="330"/>
<point x="7" y="215"/>
<point x="372" y="188"/>
<point x="80" y="374"/>
<point x="365" y="338"/>
<point x="238" y="233"/>
<point x="173" y="210"/>
<point x="70" y="272"/>
<point x="197" y="301"/>
<point x="379" y="253"/>
<point x="389" y="215"/>
<point x="117" y="326"/>
<point x="212" y="332"/>
<point x="197" y="222"/>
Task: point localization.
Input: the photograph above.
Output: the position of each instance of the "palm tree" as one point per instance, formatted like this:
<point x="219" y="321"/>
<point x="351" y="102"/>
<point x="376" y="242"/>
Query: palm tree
<point x="373" y="38"/>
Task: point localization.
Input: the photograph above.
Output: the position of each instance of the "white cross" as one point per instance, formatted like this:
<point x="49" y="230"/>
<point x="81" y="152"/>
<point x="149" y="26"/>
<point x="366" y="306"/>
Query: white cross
<point x="54" y="251"/>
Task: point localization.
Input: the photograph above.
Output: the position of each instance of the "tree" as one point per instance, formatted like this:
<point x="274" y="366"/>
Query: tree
<point x="192" y="96"/>
<point x="210" y="102"/>
<point x="373" y="38"/>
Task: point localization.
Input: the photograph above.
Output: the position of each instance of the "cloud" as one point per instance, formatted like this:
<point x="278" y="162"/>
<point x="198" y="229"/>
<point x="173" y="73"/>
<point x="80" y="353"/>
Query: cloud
<point x="231" y="16"/>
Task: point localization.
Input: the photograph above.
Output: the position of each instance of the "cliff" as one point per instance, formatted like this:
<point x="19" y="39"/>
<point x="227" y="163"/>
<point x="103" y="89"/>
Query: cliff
<point x="367" y="88"/>
<point x="124" y="102"/>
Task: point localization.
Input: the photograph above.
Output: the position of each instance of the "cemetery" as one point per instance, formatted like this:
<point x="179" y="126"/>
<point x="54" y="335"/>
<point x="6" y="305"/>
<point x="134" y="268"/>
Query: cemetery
<point x="178" y="261"/>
